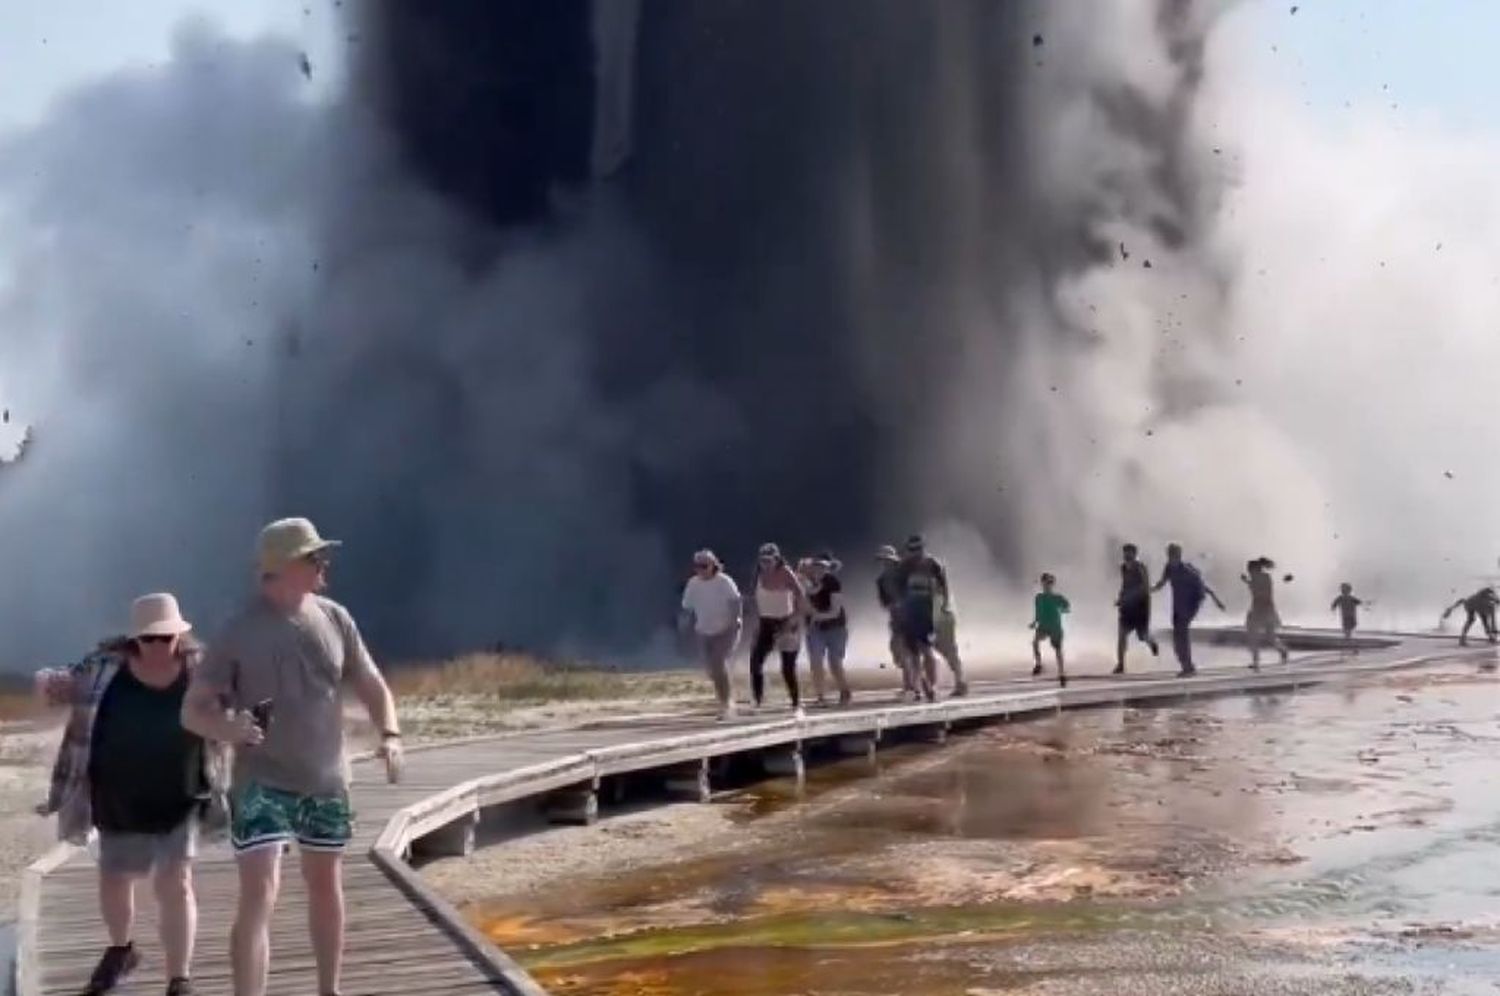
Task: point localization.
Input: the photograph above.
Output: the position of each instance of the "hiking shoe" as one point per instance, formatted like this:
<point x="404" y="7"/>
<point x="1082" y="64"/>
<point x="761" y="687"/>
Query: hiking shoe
<point x="845" y="698"/>
<point x="1119" y="669"/>
<point x="180" y="987"/>
<point x="1036" y="672"/>
<point x="1062" y="681"/>
<point x="1155" y="648"/>
<point x="1255" y="667"/>
<point x="117" y="962"/>
<point x="960" y="689"/>
<point x="1187" y="672"/>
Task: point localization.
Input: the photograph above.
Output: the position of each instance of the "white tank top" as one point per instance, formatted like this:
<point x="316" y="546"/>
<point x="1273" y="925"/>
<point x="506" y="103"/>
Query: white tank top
<point x="773" y="603"/>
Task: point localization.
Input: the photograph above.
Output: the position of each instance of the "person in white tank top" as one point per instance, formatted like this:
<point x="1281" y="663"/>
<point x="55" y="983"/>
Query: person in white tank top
<point x="780" y="605"/>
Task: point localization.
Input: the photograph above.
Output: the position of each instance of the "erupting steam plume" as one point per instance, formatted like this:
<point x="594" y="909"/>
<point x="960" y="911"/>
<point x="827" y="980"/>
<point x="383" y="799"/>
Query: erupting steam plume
<point x="556" y="293"/>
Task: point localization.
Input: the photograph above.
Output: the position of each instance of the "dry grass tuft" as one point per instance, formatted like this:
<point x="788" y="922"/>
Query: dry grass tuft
<point x="516" y="678"/>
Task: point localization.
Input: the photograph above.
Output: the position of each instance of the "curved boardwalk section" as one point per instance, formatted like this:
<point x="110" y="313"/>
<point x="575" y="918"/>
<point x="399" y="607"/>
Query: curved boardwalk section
<point x="406" y="941"/>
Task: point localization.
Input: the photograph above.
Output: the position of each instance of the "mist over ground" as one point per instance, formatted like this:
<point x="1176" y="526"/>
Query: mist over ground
<point x="540" y="303"/>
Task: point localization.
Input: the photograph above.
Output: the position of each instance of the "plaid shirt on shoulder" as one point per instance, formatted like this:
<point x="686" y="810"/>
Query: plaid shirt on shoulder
<point x="80" y="687"/>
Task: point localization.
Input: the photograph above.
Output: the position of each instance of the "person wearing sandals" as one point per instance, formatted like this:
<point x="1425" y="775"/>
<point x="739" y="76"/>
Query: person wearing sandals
<point x="128" y="770"/>
<point x="828" y="632"/>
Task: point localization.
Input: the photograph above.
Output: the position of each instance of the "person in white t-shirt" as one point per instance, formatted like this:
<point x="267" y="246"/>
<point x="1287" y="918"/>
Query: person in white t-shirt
<point x="712" y="606"/>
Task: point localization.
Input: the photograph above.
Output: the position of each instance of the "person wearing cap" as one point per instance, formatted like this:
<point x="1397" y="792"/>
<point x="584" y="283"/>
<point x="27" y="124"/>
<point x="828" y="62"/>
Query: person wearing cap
<point x="780" y="605"/>
<point x="828" y="629"/>
<point x="712" y="606"/>
<point x="923" y="584"/>
<point x="272" y="685"/>
<point x="128" y="770"/>
<point x="888" y="593"/>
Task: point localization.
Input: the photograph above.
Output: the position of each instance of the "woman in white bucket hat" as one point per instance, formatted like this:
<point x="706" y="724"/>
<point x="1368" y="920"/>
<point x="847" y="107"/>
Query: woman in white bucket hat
<point x="123" y="735"/>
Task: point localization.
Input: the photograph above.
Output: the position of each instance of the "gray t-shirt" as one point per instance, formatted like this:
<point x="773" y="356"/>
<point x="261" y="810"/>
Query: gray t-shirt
<point x="299" y="661"/>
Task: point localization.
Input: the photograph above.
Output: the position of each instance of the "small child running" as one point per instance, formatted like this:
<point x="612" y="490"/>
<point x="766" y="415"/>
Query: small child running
<point x="1047" y="621"/>
<point x="1347" y="606"/>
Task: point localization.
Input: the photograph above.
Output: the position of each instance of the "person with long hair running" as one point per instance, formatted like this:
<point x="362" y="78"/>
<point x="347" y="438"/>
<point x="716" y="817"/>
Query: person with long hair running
<point x="1262" y="623"/>
<point x="780" y="606"/>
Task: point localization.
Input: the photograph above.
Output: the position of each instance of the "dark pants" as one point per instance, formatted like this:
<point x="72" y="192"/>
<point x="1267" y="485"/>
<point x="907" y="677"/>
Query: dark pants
<point x="1182" y="644"/>
<point x="766" y="632"/>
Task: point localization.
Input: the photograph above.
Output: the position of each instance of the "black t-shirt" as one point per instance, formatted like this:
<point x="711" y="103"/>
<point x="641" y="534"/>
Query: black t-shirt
<point x="145" y="770"/>
<point x="1135" y="583"/>
<point x="821" y="598"/>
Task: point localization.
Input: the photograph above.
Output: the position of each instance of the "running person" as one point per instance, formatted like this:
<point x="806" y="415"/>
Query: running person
<point x="712" y="606"/>
<point x="1134" y="603"/>
<point x="888" y="593"/>
<point x="1048" y="609"/>
<point x="921" y="581"/>
<point x="1262" y="622"/>
<point x="1347" y="606"/>
<point x="780" y="605"/>
<point x="1480" y="606"/>
<point x="1188" y="592"/>
<point x="271" y="685"/>
<point x="129" y="770"/>
<point x="945" y="641"/>
<point x="828" y="630"/>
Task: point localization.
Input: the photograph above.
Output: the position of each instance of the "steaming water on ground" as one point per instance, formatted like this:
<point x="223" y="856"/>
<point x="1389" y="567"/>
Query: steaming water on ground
<point x="1331" y="842"/>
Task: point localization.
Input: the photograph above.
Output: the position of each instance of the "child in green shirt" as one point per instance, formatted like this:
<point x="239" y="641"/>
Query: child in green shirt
<point x="1047" y="621"/>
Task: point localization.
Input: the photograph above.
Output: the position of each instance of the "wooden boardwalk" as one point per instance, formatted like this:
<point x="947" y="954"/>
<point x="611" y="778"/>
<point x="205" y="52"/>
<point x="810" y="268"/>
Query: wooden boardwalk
<point x="405" y="941"/>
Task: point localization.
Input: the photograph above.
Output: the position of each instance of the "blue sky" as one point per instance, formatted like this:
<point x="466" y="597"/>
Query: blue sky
<point x="1428" y="56"/>
<point x="1433" y="57"/>
<point x="49" y="46"/>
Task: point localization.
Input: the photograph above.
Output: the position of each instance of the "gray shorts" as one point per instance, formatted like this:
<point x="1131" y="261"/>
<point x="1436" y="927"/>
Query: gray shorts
<point x="138" y="853"/>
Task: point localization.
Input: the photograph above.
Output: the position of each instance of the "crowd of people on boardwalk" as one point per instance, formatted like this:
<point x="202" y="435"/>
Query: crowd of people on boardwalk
<point x="145" y="761"/>
<point x="790" y="605"/>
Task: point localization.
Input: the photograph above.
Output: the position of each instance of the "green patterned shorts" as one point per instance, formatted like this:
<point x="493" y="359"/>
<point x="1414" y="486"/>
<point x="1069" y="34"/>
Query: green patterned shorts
<point x="262" y="816"/>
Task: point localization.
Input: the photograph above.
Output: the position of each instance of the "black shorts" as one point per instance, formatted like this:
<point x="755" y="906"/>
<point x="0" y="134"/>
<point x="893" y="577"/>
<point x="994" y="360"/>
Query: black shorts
<point x="1136" y="619"/>
<point x="1052" y="636"/>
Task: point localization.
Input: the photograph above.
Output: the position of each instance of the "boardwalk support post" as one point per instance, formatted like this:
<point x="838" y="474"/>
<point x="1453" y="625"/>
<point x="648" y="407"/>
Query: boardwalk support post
<point x="689" y="782"/>
<point x="785" y="762"/>
<point x="579" y="806"/>
<point x="456" y="840"/>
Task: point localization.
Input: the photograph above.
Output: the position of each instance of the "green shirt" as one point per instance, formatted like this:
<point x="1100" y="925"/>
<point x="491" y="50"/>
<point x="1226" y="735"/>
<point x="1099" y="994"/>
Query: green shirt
<point x="1049" y="611"/>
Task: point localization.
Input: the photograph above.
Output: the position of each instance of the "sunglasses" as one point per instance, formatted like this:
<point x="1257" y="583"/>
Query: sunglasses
<point x="318" y="560"/>
<point x="155" y="638"/>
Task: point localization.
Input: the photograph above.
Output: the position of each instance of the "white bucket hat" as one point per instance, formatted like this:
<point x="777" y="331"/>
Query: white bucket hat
<point x="157" y="615"/>
<point x="287" y="540"/>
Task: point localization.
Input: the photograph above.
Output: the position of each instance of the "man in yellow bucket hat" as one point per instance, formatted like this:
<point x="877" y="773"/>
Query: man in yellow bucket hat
<point x="280" y="666"/>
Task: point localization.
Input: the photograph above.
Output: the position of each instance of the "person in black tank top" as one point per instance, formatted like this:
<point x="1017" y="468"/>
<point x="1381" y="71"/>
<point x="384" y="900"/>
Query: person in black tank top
<point x="828" y="634"/>
<point x="1134" y="603"/>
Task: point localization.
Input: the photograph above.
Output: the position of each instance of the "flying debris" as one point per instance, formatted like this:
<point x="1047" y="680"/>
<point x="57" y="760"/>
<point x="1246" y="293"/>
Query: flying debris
<point x="1448" y="474"/>
<point x="1036" y="41"/>
<point x="304" y="64"/>
<point x="1124" y="253"/>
